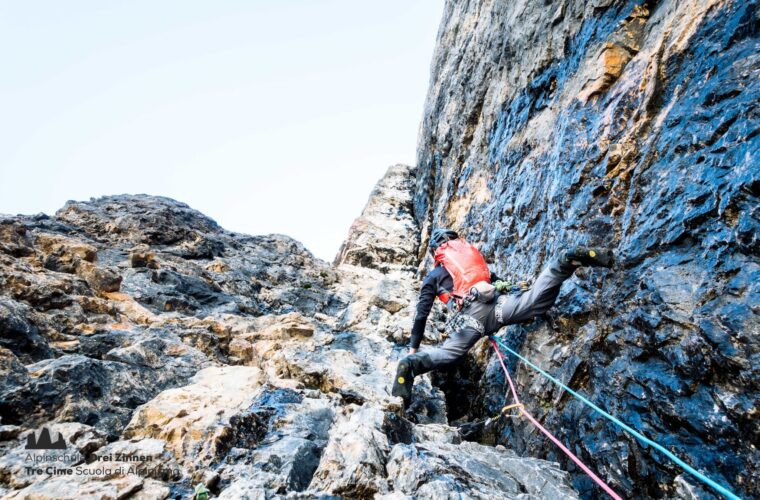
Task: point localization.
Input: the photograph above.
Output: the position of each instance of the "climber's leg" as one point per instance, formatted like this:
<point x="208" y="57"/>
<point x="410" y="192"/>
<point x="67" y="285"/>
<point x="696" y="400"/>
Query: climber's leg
<point x="512" y="309"/>
<point x="408" y="368"/>
<point x="452" y="350"/>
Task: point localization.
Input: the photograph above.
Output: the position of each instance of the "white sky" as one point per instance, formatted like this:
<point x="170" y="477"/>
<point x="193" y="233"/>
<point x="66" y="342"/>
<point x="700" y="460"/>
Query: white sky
<point x="269" y="116"/>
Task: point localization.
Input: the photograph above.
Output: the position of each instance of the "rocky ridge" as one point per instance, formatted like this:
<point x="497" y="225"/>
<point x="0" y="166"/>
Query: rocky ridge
<point x="169" y="352"/>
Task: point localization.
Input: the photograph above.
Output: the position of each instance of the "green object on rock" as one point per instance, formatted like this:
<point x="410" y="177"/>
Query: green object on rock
<point x="201" y="492"/>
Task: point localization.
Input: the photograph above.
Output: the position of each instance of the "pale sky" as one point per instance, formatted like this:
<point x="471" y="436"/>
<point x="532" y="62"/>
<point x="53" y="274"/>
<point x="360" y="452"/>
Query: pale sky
<point x="269" y="116"/>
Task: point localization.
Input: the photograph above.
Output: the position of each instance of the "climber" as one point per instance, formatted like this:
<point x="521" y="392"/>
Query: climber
<point x="461" y="280"/>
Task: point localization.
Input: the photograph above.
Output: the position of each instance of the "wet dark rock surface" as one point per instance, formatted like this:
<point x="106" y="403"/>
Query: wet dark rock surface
<point x="632" y="125"/>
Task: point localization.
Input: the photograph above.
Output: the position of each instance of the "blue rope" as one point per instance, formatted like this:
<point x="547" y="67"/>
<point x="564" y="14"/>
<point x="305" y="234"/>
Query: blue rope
<point x="723" y="490"/>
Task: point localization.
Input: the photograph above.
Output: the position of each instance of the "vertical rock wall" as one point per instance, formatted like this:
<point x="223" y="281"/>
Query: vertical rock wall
<point x="630" y="124"/>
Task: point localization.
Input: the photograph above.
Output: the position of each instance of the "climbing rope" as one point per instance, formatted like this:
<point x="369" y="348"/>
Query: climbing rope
<point x="721" y="489"/>
<point x="548" y="434"/>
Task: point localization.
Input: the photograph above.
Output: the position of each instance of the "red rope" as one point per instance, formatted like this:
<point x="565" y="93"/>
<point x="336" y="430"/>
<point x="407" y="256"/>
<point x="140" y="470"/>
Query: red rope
<point x="548" y="434"/>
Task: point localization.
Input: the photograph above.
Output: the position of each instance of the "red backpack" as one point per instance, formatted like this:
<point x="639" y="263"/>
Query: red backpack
<point x="465" y="265"/>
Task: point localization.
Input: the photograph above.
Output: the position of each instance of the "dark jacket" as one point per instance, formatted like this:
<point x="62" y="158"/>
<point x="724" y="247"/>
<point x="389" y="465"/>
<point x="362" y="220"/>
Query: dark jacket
<point x="437" y="281"/>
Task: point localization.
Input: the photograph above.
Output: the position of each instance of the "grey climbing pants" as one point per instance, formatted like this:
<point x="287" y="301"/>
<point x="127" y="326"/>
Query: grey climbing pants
<point x="479" y="319"/>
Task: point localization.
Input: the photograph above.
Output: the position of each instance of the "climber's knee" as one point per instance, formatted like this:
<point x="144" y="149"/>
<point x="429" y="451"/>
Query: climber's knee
<point x="420" y="362"/>
<point x="447" y="355"/>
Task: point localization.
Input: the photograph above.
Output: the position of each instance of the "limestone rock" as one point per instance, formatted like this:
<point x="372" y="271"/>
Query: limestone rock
<point x="386" y="297"/>
<point x="63" y="487"/>
<point x="353" y="463"/>
<point x="195" y="420"/>
<point x="137" y="219"/>
<point x="612" y="60"/>
<point x="439" y="470"/>
<point x="169" y="352"/>
<point x="79" y="438"/>
<point x="19" y="334"/>
<point x="76" y="387"/>
<point x="292" y="431"/>
<point x="141" y="256"/>
<point x="101" y="279"/>
<point x="242" y="349"/>
<point x="286" y="326"/>
<point x="385" y="235"/>
<point x="14" y="237"/>
<point x="64" y="254"/>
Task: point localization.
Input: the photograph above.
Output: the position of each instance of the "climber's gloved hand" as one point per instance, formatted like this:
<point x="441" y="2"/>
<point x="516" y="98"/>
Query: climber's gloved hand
<point x="592" y="256"/>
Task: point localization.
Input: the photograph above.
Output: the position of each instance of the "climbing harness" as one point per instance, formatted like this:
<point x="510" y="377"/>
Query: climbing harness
<point x="461" y="321"/>
<point x="548" y="434"/>
<point x="514" y="289"/>
<point x="483" y="292"/>
<point x="496" y="342"/>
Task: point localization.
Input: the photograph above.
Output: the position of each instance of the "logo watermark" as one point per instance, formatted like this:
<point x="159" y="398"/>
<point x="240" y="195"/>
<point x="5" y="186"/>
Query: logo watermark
<point x="49" y="456"/>
<point x="45" y="440"/>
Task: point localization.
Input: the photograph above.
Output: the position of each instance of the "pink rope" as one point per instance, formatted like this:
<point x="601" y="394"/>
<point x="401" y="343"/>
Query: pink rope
<point x="548" y="434"/>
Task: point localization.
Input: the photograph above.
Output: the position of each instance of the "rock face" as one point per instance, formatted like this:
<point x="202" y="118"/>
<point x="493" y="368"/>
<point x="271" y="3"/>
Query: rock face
<point x="628" y="124"/>
<point x="386" y="234"/>
<point x="168" y="352"/>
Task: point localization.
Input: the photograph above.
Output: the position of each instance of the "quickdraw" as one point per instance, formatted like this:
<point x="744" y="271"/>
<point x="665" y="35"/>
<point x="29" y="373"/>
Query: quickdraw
<point x="503" y="413"/>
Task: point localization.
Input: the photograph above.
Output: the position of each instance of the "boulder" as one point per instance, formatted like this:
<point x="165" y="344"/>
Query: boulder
<point x="433" y="470"/>
<point x="194" y="420"/>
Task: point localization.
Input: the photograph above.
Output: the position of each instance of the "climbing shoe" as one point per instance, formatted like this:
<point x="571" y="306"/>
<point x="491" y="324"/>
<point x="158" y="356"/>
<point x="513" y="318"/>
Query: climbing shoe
<point x="402" y="384"/>
<point x="599" y="257"/>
